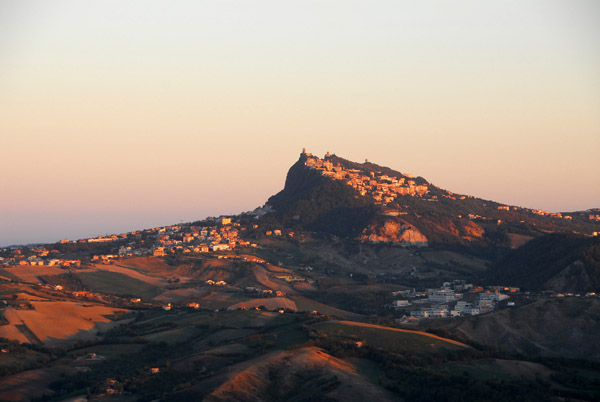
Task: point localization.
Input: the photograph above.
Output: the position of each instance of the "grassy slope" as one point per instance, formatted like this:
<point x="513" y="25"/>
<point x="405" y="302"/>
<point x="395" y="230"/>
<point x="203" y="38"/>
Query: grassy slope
<point x="116" y="283"/>
<point x="393" y="339"/>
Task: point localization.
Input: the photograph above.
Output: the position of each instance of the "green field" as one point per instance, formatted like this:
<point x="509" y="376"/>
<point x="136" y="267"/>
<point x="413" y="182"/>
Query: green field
<point x="9" y="275"/>
<point x="308" y="305"/>
<point x="118" y="284"/>
<point x="485" y="369"/>
<point x="110" y="351"/>
<point x="451" y="258"/>
<point x="17" y="356"/>
<point x="388" y="339"/>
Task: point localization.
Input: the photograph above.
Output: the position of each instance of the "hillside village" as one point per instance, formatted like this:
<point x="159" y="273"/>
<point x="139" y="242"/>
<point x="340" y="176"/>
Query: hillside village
<point x="383" y="188"/>
<point x="223" y="235"/>
<point x="459" y="299"/>
<point x="455" y="299"/>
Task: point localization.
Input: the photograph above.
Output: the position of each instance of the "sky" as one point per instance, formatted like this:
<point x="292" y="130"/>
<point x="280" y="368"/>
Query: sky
<point x="123" y="115"/>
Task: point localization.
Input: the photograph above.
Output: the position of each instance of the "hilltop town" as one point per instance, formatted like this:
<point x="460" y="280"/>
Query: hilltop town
<point x="394" y="191"/>
<point x="223" y="235"/>
<point x="383" y="188"/>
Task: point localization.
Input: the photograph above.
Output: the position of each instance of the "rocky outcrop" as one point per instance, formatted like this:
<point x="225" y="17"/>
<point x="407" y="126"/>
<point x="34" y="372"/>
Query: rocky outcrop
<point x="393" y="231"/>
<point x="472" y="231"/>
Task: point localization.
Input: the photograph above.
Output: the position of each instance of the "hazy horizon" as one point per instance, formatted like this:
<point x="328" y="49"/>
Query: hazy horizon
<point x="120" y="116"/>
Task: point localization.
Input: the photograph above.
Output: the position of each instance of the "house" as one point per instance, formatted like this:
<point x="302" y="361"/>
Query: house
<point x="219" y="247"/>
<point x="442" y="296"/>
<point x="486" y="305"/>
<point x="496" y="296"/>
<point x="423" y="313"/>
<point x="470" y="311"/>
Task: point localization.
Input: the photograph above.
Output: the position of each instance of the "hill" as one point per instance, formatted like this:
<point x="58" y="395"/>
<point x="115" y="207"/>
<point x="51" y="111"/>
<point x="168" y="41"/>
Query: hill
<point x="559" y="262"/>
<point x="297" y="375"/>
<point x="316" y="203"/>
<point x="316" y="296"/>
<point x="375" y="203"/>
<point x="559" y="327"/>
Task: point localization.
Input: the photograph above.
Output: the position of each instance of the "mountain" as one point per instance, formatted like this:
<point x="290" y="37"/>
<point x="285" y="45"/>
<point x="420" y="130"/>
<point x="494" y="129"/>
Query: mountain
<point x="373" y="203"/>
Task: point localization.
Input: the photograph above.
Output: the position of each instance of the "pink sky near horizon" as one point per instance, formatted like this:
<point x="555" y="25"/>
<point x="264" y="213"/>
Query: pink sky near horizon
<point x="116" y="116"/>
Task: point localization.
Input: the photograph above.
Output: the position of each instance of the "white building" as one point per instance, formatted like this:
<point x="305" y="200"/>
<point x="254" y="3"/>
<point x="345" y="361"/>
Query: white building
<point x="442" y="295"/>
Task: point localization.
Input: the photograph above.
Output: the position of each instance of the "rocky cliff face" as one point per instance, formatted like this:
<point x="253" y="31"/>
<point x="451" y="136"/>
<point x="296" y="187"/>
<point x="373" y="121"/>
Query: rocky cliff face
<point x="393" y="231"/>
<point x="317" y="203"/>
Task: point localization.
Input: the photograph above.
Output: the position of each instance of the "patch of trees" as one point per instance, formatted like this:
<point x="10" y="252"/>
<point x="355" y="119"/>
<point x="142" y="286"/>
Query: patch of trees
<point x="424" y="377"/>
<point x="87" y="249"/>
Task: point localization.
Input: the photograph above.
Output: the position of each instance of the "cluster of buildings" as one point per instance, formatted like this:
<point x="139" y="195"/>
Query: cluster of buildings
<point x="278" y="232"/>
<point x="258" y="292"/>
<point x="447" y="301"/>
<point x="450" y="195"/>
<point x="541" y="212"/>
<point x="290" y="278"/>
<point x="383" y="188"/>
<point x="224" y="235"/>
<point x="37" y="256"/>
<point x="210" y="282"/>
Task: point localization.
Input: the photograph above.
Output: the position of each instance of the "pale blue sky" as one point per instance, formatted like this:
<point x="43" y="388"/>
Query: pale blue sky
<point x="117" y="115"/>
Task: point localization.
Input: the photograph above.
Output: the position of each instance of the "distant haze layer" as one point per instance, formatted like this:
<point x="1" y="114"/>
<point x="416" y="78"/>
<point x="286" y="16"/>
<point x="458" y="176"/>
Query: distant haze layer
<point x="118" y="115"/>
